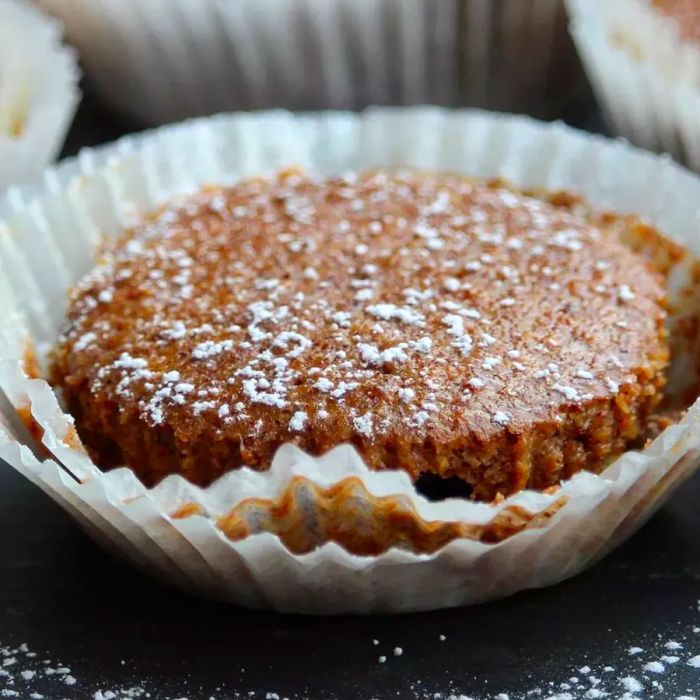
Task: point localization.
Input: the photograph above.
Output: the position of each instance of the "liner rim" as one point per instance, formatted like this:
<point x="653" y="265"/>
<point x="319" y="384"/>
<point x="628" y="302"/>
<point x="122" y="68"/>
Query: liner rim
<point x="55" y="92"/>
<point x="650" y="94"/>
<point x="58" y="179"/>
<point x="91" y="160"/>
<point x="259" y="41"/>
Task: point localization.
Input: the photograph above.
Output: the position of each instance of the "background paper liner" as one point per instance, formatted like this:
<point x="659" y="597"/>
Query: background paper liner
<point x="164" y="60"/>
<point x="38" y="91"/>
<point x="449" y="553"/>
<point x="646" y="79"/>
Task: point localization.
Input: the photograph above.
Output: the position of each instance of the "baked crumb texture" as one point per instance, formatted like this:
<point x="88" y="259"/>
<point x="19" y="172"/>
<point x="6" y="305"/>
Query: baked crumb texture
<point x="440" y="325"/>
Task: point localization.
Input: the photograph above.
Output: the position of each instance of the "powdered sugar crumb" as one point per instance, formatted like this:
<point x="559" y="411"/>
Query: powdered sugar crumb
<point x="363" y="425"/>
<point x="501" y="418"/>
<point x="654" y="667"/>
<point x="298" y="421"/>
<point x="631" y="684"/>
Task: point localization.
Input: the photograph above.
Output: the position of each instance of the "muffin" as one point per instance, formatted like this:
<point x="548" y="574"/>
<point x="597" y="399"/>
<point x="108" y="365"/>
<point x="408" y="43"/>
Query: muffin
<point x="403" y="387"/>
<point x="169" y="59"/>
<point x="643" y="59"/>
<point x="442" y="326"/>
<point x="38" y="91"/>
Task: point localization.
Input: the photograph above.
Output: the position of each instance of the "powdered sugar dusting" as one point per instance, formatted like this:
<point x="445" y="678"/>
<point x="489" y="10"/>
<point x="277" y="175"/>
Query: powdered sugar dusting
<point x="282" y="305"/>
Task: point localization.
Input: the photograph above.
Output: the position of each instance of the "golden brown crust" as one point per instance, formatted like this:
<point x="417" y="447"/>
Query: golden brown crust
<point x="335" y="518"/>
<point x="440" y="325"/>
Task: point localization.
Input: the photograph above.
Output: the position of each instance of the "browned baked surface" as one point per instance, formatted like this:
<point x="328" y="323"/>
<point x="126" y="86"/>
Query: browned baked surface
<point x="440" y="325"/>
<point x="686" y="14"/>
<point x="335" y="517"/>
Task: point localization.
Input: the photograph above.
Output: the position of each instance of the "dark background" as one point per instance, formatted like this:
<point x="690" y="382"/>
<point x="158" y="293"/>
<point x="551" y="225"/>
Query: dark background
<point x="115" y="628"/>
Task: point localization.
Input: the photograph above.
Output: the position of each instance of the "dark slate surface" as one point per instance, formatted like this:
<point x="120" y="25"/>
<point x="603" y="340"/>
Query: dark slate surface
<point x="74" y="604"/>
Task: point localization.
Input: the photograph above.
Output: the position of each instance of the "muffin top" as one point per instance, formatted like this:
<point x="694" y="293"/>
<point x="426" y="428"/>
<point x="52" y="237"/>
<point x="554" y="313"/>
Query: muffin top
<point x="362" y="305"/>
<point x="686" y="14"/>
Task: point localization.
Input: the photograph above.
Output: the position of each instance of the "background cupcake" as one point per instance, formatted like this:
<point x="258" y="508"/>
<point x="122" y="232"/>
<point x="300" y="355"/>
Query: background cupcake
<point x="38" y="91"/>
<point x="643" y="59"/>
<point x="169" y="59"/>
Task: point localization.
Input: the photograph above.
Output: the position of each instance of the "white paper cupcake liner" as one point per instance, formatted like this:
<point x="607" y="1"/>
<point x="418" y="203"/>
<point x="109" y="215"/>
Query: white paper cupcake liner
<point x="38" y="91"/>
<point x="164" y="60"/>
<point x="48" y="238"/>
<point x="646" y="79"/>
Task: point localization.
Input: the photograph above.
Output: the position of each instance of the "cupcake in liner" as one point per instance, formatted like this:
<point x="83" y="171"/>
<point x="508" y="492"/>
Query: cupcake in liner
<point x="169" y="59"/>
<point x="284" y="538"/>
<point x="645" y="73"/>
<point x="38" y="91"/>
